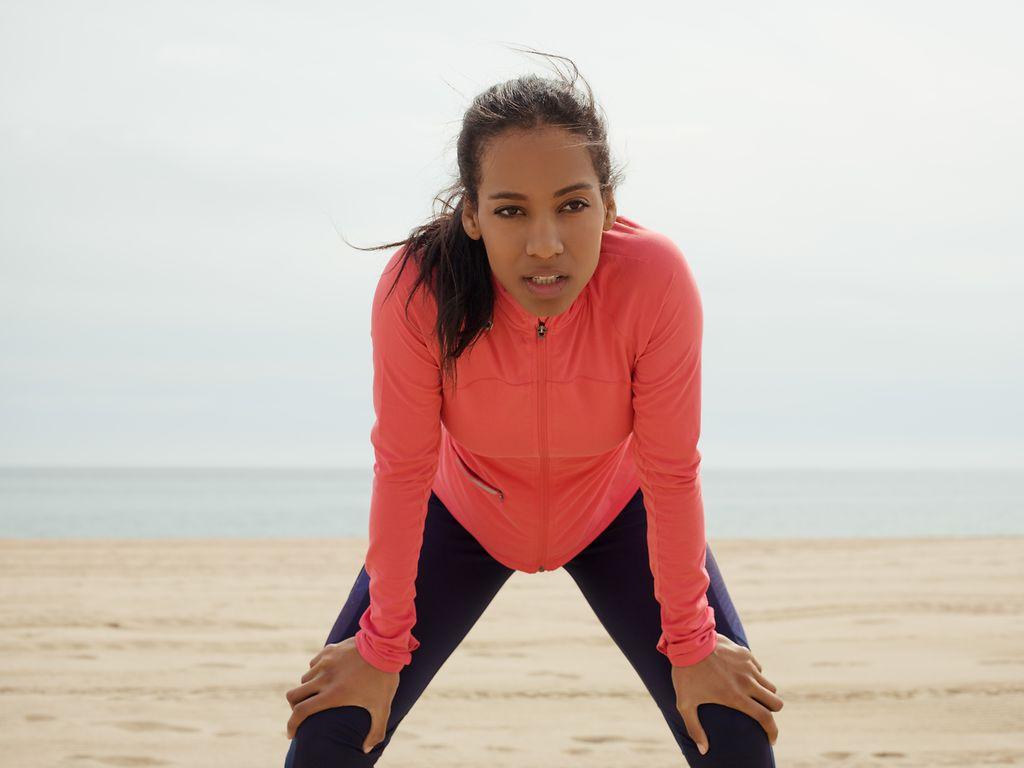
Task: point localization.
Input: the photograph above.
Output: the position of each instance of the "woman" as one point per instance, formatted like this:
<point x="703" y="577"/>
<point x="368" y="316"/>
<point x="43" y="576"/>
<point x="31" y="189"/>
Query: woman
<point x="537" y="406"/>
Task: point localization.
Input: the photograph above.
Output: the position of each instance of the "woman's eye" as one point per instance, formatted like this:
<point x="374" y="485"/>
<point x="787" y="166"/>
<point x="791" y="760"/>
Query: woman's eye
<point x="501" y="212"/>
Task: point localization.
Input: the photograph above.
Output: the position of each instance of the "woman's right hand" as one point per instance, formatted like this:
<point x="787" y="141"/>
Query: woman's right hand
<point x="339" y="676"/>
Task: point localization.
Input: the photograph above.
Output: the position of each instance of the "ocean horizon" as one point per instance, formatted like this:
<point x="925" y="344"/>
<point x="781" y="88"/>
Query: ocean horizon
<point x="267" y="502"/>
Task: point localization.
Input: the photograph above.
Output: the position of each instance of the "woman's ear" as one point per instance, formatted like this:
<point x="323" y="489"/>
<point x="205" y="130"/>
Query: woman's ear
<point x="470" y="222"/>
<point x="609" y="213"/>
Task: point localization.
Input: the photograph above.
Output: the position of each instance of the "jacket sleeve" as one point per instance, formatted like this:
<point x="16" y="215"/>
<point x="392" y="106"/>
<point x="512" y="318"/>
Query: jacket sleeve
<point x="666" y="428"/>
<point x="406" y="438"/>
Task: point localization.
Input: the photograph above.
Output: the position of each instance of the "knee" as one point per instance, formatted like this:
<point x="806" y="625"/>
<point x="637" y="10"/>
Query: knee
<point x="333" y="738"/>
<point x="734" y="738"/>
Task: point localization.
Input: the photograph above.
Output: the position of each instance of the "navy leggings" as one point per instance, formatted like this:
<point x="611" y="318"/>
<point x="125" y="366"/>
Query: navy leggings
<point x="456" y="581"/>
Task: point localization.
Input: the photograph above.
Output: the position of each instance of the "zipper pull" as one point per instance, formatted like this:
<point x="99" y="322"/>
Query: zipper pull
<point x="541" y="328"/>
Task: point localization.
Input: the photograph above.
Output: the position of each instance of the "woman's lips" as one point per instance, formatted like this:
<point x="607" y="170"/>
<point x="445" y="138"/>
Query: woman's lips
<point x="546" y="291"/>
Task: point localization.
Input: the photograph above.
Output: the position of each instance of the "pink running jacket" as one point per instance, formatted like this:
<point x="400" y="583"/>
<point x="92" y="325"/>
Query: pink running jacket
<point x="554" y="426"/>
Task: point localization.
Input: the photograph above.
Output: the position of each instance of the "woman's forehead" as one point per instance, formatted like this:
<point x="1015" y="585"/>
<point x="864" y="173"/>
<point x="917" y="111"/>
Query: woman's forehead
<point x="535" y="163"/>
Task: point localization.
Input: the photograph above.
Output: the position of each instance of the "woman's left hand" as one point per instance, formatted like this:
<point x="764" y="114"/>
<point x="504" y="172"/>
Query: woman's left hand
<point x="730" y="675"/>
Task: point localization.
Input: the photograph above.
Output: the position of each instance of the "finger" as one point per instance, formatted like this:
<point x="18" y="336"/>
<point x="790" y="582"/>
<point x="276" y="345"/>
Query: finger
<point x="313" y="672"/>
<point x="378" y="726"/>
<point x="757" y="663"/>
<point x="317" y="658"/>
<point x="766" y="697"/>
<point x="694" y="729"/>
<point x="763" y="716"/>
<point x="302" y="710"/>
<point x="765" y="682"/>
<point x="302" y="692"/>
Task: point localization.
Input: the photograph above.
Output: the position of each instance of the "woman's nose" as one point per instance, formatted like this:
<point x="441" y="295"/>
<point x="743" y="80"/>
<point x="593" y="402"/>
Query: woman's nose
<point x="545" y="242"/>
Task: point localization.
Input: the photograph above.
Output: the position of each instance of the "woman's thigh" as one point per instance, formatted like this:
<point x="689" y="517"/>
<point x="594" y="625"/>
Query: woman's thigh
<point x="614" y="575"/>
<point x="456" y="580"/>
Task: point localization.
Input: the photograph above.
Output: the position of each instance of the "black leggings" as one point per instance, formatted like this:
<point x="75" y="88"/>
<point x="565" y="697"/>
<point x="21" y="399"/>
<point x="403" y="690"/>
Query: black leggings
<point x="456" y="581"/>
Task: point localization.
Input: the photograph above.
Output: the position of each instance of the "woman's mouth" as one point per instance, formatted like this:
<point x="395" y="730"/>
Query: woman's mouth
<point x="546" y="286"/>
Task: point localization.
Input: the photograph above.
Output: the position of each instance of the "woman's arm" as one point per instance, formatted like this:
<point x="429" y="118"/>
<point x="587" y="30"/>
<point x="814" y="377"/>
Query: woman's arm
<point x="406" y="438"/>
<point x="666" y="428"/>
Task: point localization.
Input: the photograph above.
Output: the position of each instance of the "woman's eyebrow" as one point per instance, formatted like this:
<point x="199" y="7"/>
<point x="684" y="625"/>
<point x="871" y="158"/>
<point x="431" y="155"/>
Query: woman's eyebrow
<point x="558" y="193"/>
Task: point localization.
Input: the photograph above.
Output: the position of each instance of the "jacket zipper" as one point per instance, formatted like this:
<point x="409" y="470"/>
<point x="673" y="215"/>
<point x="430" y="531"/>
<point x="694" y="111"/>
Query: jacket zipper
<point x="477" y="481"/>
<point x="542" y="408"/>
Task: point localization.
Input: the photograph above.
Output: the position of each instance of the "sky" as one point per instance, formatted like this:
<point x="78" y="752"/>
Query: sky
<point x="176" y="179"/>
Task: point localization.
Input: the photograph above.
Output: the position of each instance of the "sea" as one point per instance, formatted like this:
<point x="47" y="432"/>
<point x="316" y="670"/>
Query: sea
<point x="246" y="503"/>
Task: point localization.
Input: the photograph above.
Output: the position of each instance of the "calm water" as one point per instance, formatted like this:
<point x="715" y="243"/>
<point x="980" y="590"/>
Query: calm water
<point x="257" y="503"/>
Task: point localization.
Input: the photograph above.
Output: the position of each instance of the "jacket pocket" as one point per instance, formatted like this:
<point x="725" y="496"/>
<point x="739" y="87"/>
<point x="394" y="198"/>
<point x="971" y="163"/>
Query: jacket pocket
<point x="476" y="479"/>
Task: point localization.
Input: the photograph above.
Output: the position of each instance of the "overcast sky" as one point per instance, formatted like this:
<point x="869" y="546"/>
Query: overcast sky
<point x="845" y="181"/>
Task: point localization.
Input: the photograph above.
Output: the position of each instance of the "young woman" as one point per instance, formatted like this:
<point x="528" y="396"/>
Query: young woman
<point x="537" y="407"/>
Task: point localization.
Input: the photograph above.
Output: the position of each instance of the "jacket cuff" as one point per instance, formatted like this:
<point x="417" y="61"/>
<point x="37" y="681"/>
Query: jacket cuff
<point x="689" y="654"/>
<point x="384" y="663"/>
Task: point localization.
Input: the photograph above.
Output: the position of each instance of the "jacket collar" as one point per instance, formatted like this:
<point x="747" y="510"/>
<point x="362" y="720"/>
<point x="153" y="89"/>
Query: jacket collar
<point x="508" y="307"/>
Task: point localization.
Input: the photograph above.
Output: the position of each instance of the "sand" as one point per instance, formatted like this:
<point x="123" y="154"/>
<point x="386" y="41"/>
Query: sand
<point x="179" y="653"/>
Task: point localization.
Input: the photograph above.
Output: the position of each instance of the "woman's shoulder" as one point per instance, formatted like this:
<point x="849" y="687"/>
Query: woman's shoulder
<point x="642" y="278"/>
<point x="396" y="284"/>
<point x="639" y="260"/>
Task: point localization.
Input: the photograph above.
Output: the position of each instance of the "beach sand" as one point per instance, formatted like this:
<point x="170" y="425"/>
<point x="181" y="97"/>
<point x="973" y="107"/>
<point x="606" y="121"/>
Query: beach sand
<point x="179" y="653"/>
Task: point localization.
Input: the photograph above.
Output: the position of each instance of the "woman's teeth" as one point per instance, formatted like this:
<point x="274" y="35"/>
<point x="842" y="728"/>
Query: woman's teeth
<point x="546" y="280"/>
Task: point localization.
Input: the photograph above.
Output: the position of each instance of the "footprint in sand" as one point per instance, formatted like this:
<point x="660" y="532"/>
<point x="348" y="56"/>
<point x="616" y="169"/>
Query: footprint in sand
<point x="887" y="754"/>
<point x="33" y="718"/>
<point x="837" y="755"/>
<point x="152" y="725"/>
<point x="597" y="739"/>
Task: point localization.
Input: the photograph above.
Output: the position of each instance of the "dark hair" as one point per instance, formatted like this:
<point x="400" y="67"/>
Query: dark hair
<point x="452" y="264"/>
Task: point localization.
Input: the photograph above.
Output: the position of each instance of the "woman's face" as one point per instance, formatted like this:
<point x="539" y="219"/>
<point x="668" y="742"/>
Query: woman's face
<point x="540" y="212"/>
